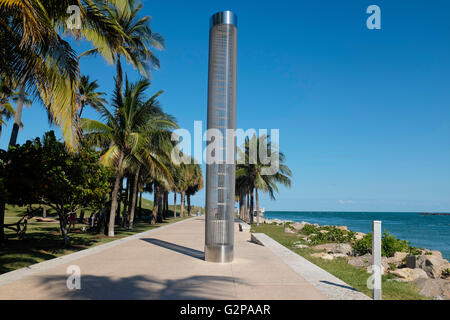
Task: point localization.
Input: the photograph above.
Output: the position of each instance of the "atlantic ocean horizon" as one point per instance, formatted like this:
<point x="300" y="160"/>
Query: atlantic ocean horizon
<point x="424" y="231"/>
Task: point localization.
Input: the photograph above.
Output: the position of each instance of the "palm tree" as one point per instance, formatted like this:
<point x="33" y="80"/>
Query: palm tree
<point x="250" y="177"/>
<point x="125" y="133"/>
<point x="41" y="62"/>
<point x="195" y="182"/>
<point x="135" y="40"/>
<point x="6" y="109"/>
<point x="88" y="94"/>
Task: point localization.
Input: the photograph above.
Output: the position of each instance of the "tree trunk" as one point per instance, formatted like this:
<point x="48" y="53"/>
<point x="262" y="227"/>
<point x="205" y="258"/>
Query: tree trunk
<point x="63" y="226"/>
<point x="155" y="204"/>
<point x="257" y="206"/>
<point x="119" y="74"/>
<point x="81" y="218"/>
<point x="174" y="204"/>
<point x="44" y="211"/>
<point x="17" y="116"/>
<point x="134" y="200"/>
<point x="2" y="221"/>
<point x="112" y="215"/>
<point x="189" y="204"/>
<point x="183" y="195"/>
<point x="252" y="202"/>
<point x="160" y="215"/>
<point x="166" y="205"/>
<point x="241" y="206"/>
<point x="125" y="203"/>
<point x="247" y="207"/>
<point x="140" y="205"/>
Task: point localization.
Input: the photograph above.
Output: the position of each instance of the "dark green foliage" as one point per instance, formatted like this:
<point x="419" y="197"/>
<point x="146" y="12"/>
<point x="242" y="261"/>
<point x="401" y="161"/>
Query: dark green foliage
<point x="333" y="235"/>
<point x="389" y="245"/>
<point x="45" y="173"/>
<point x="309" y="229"/>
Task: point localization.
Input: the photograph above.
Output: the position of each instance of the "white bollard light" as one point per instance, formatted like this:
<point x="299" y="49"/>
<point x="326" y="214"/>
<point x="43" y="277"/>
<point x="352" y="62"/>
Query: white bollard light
<point x="376" y="263"/>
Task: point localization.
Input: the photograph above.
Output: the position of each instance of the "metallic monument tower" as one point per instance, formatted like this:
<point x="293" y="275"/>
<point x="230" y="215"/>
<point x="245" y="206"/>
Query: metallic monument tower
<point x="220" y="174"/>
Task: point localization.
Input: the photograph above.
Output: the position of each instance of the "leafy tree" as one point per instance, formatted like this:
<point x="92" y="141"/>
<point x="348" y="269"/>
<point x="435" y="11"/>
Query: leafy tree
<point x="45" y="173"/>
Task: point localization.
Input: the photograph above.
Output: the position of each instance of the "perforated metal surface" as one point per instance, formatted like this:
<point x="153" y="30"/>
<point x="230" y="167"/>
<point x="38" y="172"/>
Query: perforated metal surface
<point x="220" y="176"/>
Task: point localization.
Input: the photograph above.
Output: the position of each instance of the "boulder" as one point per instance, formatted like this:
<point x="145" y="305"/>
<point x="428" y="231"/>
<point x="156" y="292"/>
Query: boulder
<point x="359" y="235"/>
<point x="298" y="226"/>
<point x="316" y="225"/>
<point x="409" y="274"/>
<point x="324" y="231"/>
<point x="323" y="255"/>
<point x="366" y="260"/>
<point x="433" y="265"/>
<point x="288" y="230"/>
<point x="339" y="248"/>
<point x="343" y="228"/>
<point x="434" y="288"/>
<point x="301" y="246"/>
<point x="397" y="259"/>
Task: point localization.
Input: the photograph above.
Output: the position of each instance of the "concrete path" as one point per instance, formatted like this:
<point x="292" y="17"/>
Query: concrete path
<point x="164" y="263"/>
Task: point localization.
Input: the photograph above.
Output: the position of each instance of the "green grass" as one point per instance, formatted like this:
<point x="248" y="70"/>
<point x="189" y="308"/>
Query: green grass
<point x="392" y="290"/>
<point x="43" y="240"/>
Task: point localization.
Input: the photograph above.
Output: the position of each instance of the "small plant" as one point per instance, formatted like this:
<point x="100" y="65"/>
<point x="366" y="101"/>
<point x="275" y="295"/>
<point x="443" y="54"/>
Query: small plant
<point x="413" y="251"/>
<point x="309" y="229"/>
<point x="445" y="273"/>
<point x="364" y="245"/>
<point x="428" y="253"/>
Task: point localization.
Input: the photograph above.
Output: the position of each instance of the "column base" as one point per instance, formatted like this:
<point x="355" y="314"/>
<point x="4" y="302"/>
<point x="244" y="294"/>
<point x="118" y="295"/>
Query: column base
<point x="219" y="254"/>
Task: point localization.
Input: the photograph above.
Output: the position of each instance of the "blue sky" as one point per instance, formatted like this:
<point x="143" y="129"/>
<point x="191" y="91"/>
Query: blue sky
<point x="364" y="115"/>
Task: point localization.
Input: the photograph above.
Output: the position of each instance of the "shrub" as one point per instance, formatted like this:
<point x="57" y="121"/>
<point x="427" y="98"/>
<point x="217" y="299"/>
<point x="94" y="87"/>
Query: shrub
<point x="389" y="245"/>
<point x="309" y="229"/>
<point x="364" y="245"/>
<point x="333" y="235"/>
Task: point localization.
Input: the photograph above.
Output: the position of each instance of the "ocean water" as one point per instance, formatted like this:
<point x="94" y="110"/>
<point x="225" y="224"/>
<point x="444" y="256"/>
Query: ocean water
<point x="424" y="231"/>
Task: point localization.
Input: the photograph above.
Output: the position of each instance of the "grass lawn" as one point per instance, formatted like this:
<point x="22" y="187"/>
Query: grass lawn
<point x="43" y="239"/>
<point x="392" y="290"/>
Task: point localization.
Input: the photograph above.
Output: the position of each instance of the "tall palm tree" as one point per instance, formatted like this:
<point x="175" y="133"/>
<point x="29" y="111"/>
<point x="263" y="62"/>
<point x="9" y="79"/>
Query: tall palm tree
<point x="41" y="62"/>
<point x="250" y="177"/>
<point x="88" y="94"/>
<point x="125" y="133"/>
<point x="135" y="41"/>
<point x="195" y="183"/>
<point x="6" y="109"/>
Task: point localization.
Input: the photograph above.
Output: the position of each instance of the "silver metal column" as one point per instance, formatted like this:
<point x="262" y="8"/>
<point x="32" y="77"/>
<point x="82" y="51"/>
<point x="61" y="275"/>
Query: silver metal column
<point x="377" y="268"/>
<point x="220" y="176"/>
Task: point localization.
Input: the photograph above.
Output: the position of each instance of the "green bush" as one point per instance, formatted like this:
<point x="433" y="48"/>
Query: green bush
<point x="309" y="229"/>
<point x="364" y="245"/>
<point x="333" y="235"/>
<point x="389" y="245"/>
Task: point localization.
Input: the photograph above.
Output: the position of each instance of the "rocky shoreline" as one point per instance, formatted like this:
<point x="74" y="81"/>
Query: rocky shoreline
<point x="425" y="268"/>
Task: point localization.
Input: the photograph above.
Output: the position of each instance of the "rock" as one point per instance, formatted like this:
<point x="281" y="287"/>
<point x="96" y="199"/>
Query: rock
<point x="298" y="226"/>
<point x="433" y="265"/>
<point x="359" y="235"/>
<point x="316" y="225"/>
<point x="323" y="255"/>
<point x="411" y="262"/>
<point x="324" y="231"/>
<point x="434" y="288"/>
<point x="301" y="246"/>
<point x="343" y="228"/>
<point x="435" y="253"/>
<point x="361" y="261"/>
<point x="366" y="260"/>
<point x="277" y="221"/>
<point x="397" y="259"/>
<point x="409" y="274"/>
<point x="288" y="230"/>
<point x="340" y="248"/>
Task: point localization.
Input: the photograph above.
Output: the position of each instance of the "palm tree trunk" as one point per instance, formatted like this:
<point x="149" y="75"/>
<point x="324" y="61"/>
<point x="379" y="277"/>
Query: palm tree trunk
<point x="17" y="116"/>
<point x="241" y="206"/>
<point x="112" y="215"/>
<point x="166" y="204"/>
<point x="183" y="195"/>
<point x="174" y="204"/>
<point x="189" y="204"/>
<point x="252" y="202"/>
<point x="160" y="212"/>
<point x="257" y="206"/>
<point x="44" y="211"/>
<point x="2" y="221"/>
<point x="155" y="204"/>
<point x="140" y="204"/>
<point x="125" y="202"/>
<point x="133" y="202"/>
<point x="119" y="74"/>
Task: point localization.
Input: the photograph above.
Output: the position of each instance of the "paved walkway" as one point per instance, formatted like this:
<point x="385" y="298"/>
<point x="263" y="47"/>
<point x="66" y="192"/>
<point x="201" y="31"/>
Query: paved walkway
<point x="165" y="263"/>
